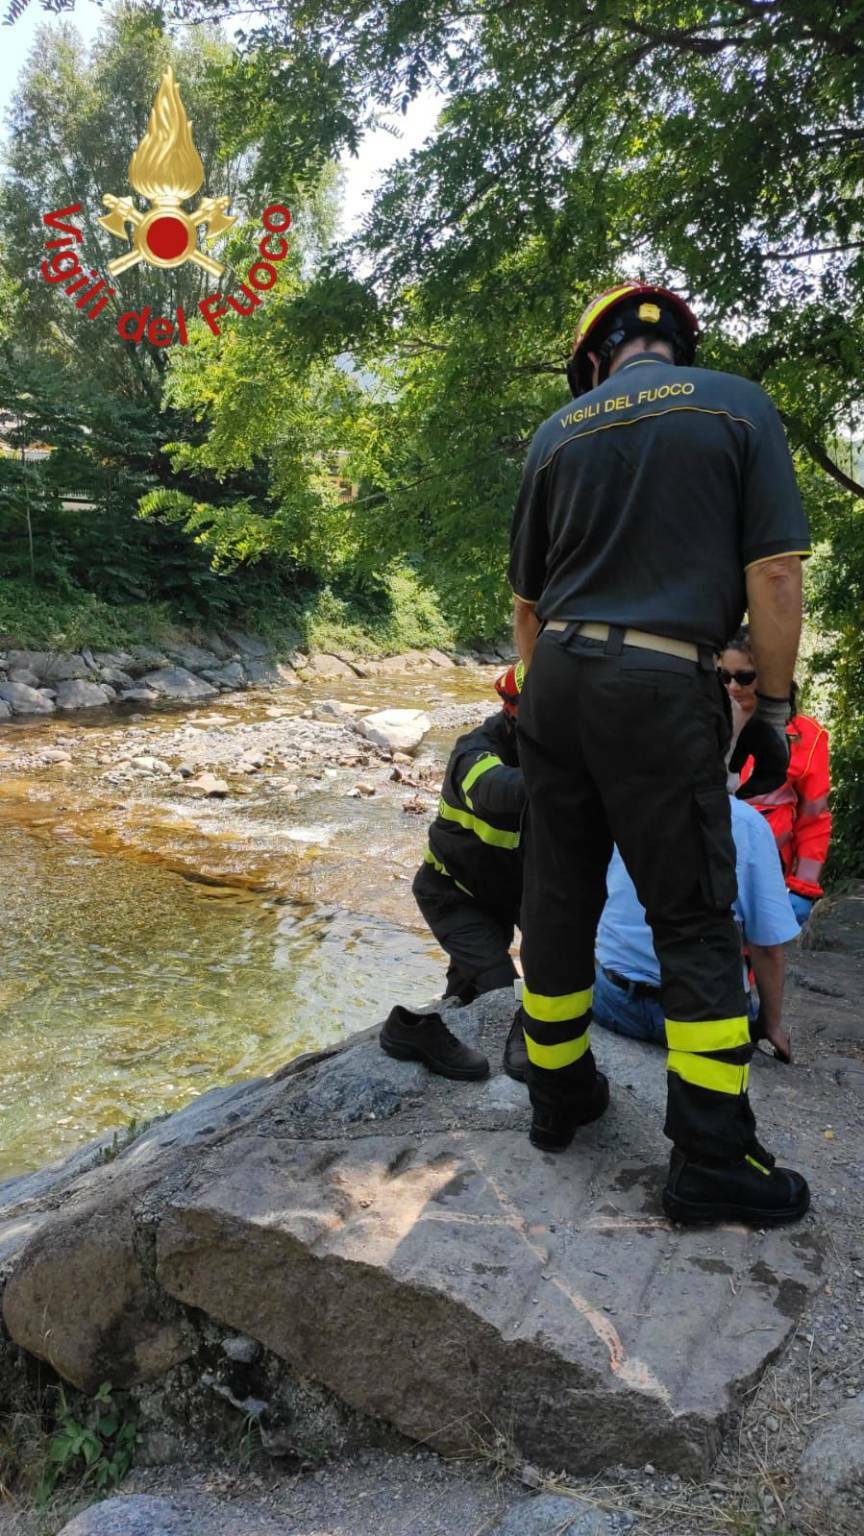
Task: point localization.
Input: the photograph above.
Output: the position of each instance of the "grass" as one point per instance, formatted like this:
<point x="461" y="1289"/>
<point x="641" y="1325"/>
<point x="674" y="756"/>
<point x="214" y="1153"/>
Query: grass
<point x="399" y="615"/>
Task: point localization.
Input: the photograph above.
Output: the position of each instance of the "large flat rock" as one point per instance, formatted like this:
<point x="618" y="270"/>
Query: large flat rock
<point x="395" y="1237"/>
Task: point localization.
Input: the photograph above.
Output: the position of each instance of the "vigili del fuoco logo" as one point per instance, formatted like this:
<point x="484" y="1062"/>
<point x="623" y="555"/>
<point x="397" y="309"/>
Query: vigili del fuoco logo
<point x="166" y="170"/>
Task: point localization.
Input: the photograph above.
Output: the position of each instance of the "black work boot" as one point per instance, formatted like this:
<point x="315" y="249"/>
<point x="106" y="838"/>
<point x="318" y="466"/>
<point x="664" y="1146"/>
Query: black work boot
<point x="552" y="1130"/>
<point x="425" y="1037"/>
<point x="751" y="1190"/>
<point x="515" y="1052"/>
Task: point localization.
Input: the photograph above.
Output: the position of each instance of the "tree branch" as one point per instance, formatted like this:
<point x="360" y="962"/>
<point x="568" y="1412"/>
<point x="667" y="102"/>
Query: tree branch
<point x="824" y="460"/>
<point x="813" y="250"/>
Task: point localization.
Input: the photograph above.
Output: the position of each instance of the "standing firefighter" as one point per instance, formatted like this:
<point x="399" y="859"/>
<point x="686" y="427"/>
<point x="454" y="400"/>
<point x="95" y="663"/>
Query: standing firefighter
<point x="650" y="513"/>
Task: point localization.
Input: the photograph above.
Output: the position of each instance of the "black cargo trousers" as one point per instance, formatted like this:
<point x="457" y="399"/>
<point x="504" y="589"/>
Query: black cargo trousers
<point x="476" y="937"/>
<point x="626" y="745"/>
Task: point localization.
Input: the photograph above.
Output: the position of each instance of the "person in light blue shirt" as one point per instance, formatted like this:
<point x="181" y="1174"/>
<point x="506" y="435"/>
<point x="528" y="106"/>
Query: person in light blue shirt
<point x="627" y="981"/>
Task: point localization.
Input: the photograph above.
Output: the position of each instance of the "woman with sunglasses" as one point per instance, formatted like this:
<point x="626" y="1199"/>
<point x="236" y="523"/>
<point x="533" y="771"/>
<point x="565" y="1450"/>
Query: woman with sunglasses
<point x="798" y="811"/>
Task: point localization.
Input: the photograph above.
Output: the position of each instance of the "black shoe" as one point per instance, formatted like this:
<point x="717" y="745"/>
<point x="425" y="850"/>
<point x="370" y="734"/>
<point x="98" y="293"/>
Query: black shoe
<point x="425" y="1037"/>
<point x="749" y="1190"/>
<point x="552" y="1130"/>
<point x="515" y="1053"/>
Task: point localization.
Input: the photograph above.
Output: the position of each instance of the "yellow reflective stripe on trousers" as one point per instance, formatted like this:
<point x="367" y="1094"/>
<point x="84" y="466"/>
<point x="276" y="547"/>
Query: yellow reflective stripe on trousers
<point x="719" y="1076"/>
<point x="487" y="834"/>
<point x="552" y="1057"/>
<point x="556" y="1010"/>
<point x="710" y="1035"/>
<point x="442" y="869"/>
<point x="474" y="773"/>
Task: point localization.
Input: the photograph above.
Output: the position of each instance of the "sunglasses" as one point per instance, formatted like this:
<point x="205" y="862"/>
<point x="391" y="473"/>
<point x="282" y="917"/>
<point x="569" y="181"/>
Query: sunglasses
<point x="743" y="679"/>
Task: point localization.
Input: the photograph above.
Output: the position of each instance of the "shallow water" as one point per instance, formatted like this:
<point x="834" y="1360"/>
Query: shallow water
<point x="132" y="978"/>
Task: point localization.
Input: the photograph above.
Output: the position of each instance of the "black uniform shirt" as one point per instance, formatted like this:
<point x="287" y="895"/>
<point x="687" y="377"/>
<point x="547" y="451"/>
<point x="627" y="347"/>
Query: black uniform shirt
<point x="643" y="502"/>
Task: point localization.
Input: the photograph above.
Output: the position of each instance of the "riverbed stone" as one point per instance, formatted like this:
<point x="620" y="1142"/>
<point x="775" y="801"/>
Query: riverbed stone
<point x="62" y="668"/>
<point x="556" y="1515"/>
<point x="27" y="701"/>
<point x="325" y="665"/>
<point x="833" y="1463"/>
<point x="145" y="658"/>
<point x="837" y="922"/>
<point x="141" y="1514"/>
<point x="193" y="657"/>
<point x="247" y="644"/>
<point x="397" y="730"/>
<point x="231" y="675"/>
<point x="5" y="710"/>
<point x="394" y="1237"/>
<point x="26" y="676"/>
<point x="263" y="671"/>
<point x="177" y="683"/>
<point x="79" y="694"/>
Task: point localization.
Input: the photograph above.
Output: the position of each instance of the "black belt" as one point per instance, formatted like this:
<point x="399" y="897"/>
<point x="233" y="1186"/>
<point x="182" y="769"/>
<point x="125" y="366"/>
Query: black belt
<point x="635" y="988"/>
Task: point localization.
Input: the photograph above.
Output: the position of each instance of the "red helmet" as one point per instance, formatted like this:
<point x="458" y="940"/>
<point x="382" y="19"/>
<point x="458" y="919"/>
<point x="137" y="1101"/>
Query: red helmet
<point x="639" y="307"/>
<point x="509" y="686"/>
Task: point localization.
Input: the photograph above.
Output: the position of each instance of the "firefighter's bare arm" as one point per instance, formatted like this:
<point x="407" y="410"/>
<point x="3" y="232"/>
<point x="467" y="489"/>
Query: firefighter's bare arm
<point x="526" y="627"/>
<point x="774" y="603"/>
<point x="769" y="963"/>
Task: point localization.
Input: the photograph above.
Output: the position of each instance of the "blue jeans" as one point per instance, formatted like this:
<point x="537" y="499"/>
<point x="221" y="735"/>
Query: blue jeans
<point x="802" y="906"/>
<point x="641" y="1018"/>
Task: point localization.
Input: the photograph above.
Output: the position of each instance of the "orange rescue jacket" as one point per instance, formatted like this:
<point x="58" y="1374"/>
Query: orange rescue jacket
<point x="798" y="810"/>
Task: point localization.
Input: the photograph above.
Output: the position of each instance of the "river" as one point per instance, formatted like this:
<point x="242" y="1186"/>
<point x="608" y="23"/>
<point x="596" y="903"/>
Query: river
<point x="155" y="942"/>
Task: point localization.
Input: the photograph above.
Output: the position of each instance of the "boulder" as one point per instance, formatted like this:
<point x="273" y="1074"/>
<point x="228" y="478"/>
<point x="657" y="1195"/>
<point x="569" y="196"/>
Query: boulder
<point x="24" y="675"/>
<point x="5" y="710"/>
<point x="77" y="694"/>
<point x="119" y="660"/>
<point x="62" y="669"/>
<point x="833" y="1464"/>
<point x="262" y="670"/>
<point x="193" y="657"/>
<point x="177" y="683"/>
<point x="397" y="730"/>
<point x="439" y="658"/>
<point x="394" y="1237"/>
<point x="334" y="709"/>
<point x="556" y="1515"/>
<point x="139" y="696"/>
<point x="325" y="665"/>
<point x="246" y="644"/>
<point x="141" y="1514"/>
<point x="144" y="658"/>
<point x="208" y="784"/>
<point x="116" y="677"/>
<point x="837" y="923"/>
<point x="28" y="661"/>
<point x="231" y="675"/>
<point x="25" y="700"/>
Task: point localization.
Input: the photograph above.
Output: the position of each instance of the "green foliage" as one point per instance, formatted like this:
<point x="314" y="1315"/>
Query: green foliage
<point x="94" y="1451"/>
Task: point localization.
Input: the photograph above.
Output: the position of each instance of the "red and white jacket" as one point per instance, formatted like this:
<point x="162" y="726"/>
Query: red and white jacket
<point x="798" y="810"/>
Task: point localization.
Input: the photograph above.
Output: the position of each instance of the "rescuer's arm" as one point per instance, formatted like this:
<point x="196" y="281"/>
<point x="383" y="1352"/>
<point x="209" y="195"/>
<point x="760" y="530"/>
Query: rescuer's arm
<point x="489" y="787"/>
<point x="526" y="627"/>
<point x="769" y="968"/>
<point x="774" y="603"/>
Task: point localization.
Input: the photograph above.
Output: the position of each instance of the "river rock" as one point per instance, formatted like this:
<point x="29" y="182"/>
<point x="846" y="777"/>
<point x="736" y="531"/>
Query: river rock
<point x="231" y="675"/>
<point x="398" y="730"/>
<point x="62" y="669"/>
<point x="246" y="644"/>
<point x="264" y="671"/>
<point x="138" y="696"/>
<point x="325" y="665"/>
<point x="439" y="659"/>
<point x="141" y="1514"/>
<point x="24" y="675"/>
<point x="554" y="1515"/>
<point x="193" y="657"/>
<point x="334" y="709"/>
<point x="394" y="1237"/>
<point x="25" y="700"/>
<point x="116" y="677"/>
<point x="77" y="694"/>
<point x="209" y="785"/>
<point x="5" y="710"/>
<point x="144" y="658"/>
<point x="833" y="1464"/>
<point x="177" y="683"/>
<point x="119" y="660"/>
<point x="837" y="922"/>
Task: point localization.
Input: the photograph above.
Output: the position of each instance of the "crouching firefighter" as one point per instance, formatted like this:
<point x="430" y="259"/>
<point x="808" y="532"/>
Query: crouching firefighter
<point x="469" y="889"/>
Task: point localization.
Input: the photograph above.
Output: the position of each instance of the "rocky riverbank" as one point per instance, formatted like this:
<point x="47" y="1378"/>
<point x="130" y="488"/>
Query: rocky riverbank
<point x="182" y="672"/>
<point x="351" y="1254"/>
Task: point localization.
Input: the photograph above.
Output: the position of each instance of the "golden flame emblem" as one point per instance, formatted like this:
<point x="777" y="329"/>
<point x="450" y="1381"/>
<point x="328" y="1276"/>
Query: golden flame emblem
<point x="166" y="169"/>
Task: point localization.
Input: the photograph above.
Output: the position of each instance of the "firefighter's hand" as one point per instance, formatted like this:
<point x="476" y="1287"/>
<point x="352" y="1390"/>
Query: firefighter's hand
<point x="770" y="752"/>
